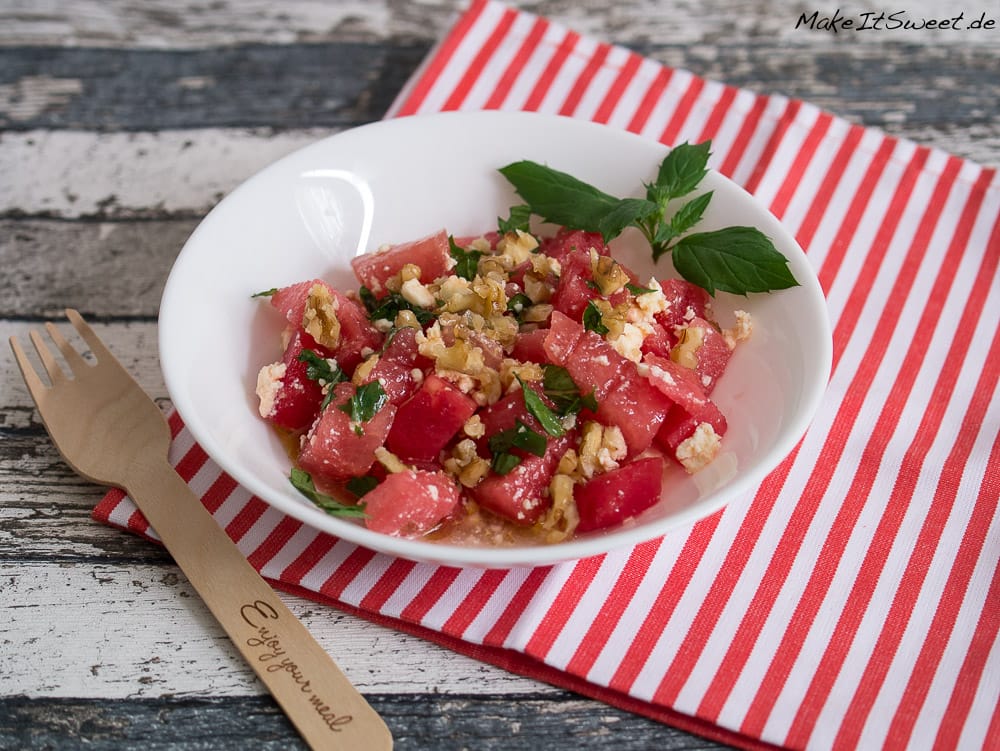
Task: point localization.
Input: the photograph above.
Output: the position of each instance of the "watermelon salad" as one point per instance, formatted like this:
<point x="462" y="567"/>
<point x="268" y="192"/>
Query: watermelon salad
<point x="503" y="388"/>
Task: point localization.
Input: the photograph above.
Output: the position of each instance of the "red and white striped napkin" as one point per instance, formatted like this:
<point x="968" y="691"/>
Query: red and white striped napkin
<point x="853" y="600"/>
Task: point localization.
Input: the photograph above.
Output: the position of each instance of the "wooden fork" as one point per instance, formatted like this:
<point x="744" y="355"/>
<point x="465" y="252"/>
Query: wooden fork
<point x="111" y="432"/>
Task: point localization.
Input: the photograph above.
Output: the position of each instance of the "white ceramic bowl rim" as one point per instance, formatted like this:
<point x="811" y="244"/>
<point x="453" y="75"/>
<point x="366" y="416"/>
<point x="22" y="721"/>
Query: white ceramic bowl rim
<point x="297" y="201"/>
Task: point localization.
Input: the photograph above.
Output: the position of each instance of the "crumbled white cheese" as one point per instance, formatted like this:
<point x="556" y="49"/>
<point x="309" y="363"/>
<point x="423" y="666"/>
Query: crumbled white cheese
<point x="739" y="332"/>
<point x="415" y="292"/>
<point x="700" y="449"/>
<point x="629" y="343"/>
<point x="268" y="385"/>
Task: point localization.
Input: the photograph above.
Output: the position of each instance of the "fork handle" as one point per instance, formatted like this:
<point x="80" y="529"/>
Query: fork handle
<point x="326" y="709"/>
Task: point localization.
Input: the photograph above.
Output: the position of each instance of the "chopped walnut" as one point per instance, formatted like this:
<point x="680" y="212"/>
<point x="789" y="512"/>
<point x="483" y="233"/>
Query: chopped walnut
<point x="319" y="318"/>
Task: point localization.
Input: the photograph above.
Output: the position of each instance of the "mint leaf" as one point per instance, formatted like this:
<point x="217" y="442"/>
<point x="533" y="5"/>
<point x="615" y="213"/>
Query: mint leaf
<point x="558" y="197"/>
<point x="559" y="386"/>
<point x="540" y="410"/>
<point x="518" y="304"/>
<point x="636" y="290"/>
<point x="365" y="402"/>
<point x="361" y="485"/>
<point x="320" y="369"/>
<point x="690" y="213"/>
<point x="388" y="306"/>
<point x="519" y="219"/>
<point x="735" y="259"/>
<point x="302" y="481"/>
<point x="592" y="319"/>
<point x="521" y="437"/>
<point x="627" y="212"/>
<point x="681" y="170"/>
<point x="264" y="293"/>
<point x="466" y="261"/>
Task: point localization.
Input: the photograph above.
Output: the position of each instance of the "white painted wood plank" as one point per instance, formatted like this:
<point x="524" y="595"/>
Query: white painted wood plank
<point x="118" y="631"/>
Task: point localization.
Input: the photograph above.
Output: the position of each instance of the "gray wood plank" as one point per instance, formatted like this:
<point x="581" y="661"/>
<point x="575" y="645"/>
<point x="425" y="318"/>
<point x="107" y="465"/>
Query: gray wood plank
<point x="442" y="723"/>
<point x="899" y="86"/>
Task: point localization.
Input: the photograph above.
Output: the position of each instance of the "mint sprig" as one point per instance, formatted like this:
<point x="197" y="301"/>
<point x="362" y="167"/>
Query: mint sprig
<point x="733" y="259"/>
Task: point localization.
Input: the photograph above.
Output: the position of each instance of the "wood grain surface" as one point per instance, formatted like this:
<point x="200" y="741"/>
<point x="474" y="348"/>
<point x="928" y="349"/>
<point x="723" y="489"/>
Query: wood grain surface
<point x="122" y="122"/>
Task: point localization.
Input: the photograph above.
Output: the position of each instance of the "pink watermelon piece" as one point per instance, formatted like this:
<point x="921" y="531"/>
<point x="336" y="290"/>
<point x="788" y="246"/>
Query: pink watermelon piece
<point x="609" y="499"/>
<point x="333" y="450"/>
<point x="432" y="254"/>
<point x="428" y="420"/>
<point x="396" y="365"/>
<point x="410" y="503"/>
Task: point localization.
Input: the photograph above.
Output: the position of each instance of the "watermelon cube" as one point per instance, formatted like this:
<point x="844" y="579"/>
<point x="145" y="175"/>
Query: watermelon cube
<point x="609" y="499"/>
<point x="291" y="400"/>
<point x="432" y="254"/>
<point x="428" y="420"/>
<point x="335" y="449"/>
<point x="410" y="503"/>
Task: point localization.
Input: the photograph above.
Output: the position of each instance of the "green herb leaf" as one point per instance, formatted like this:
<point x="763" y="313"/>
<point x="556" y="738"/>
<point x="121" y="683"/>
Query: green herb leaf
<point x="559" y="386"/>
<point x="361" y="485"/>
<point x="592" y="319"/>
<point x="546" y="417"/>
<point x="365" y="402"/>
<point x="518" y="304"/>
<point x="521" y="437"/>
<point x="520" y="218"/>
<point x="265" y="293"/>
<point x="303" y="482"/>
<point x="558" y="197"/>
<point x="682" y="169"/>
<point x="466" y="261"/>
<point x="388" y="306"/>
<point x="690" y="213"/>
<point x="320" y="369"/>
<point x="636" y="290"/>
<point x="627" y="212"/>
<point x="735" y="259"/>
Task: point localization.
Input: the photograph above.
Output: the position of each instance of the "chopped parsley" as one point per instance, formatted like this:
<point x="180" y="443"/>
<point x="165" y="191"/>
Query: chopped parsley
<point x="592" y="319"/>
<point x="466" y="261"/>
<point x="265" y="293"/>
<point x="364" y="404"/>
<point x="521" y="437"/>
<point x="563" y="392"/>
<point x="548" y="419"/>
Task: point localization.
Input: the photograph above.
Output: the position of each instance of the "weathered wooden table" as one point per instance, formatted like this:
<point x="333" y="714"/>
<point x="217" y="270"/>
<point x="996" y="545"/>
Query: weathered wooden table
<point x="123" y="122"/>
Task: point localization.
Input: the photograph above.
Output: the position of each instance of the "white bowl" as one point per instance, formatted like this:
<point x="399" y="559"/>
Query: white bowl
<point x="309" y="213"/>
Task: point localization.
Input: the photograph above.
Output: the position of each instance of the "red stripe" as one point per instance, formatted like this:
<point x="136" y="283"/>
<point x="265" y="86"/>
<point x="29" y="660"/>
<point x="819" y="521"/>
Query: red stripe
<point x="106" y="506"/>
<point x="345" y="573"/>
<point x="797" y="170"/>
<point x="274" y="542"/>
<point x="666" y="601"/>
<point x="313" y="553"/>
<point x="873" y="563"/>
<point x="246" y="518"/>
<point x="773" y="144"/>
<point x="680" y="115"/>
<point x="386" y="584"/>
<point x="584" y="80"/>
<point x="824" y="194"/>
<point x="475" y="69"/>
<point x="429" y="594"/>
<point x="838" y="248"/>
<point x="818" y="484"/>
<point x="562" y="606"/>
<point x="175" y="423"/>
<point x="192" y="461"/>
<point x="719" y="112"/>
<point x="618" y="599"/>
<point x="218" y="492"/>
<point x="912" y="580"/>
<point x="650" y="99"/>
<point x="618" y="87"/>
<point x="441" y="58"/>
<point x="137" y="523"/>
<point x="497" y="636"/>
<point x="521" y="57"/>
<point x="474" y="602"/>
<point x="976" y="657"/>
<point x="743" y="137"/>
<point x="551" y="71"/>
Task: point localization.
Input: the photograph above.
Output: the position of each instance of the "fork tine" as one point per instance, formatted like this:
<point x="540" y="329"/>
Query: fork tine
<point x="73" y="358"/>
<point x="35" y="385"/>
<point x="52" y="367"/>
<point x="97" y="347"/>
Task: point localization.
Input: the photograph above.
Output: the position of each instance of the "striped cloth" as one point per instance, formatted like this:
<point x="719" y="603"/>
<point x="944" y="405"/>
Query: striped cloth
<point x="853" y="600"/>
